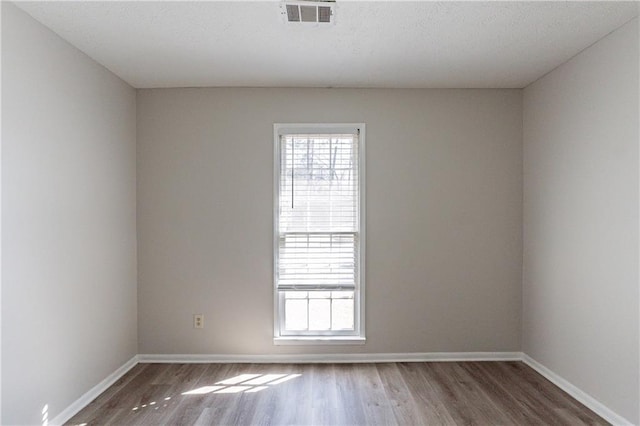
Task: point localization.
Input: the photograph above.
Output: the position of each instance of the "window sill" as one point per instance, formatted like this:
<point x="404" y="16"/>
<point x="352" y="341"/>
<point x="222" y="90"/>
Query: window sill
<point x="319" y="340"/>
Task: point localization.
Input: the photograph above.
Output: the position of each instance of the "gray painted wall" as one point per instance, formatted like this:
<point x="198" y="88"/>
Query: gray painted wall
<point x="580" y="314"/>
<point x="68" y="221"/>
<point x="444" y="217"/>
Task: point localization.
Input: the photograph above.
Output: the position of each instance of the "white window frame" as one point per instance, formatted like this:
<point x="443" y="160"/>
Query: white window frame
<point x="357" y="336"/>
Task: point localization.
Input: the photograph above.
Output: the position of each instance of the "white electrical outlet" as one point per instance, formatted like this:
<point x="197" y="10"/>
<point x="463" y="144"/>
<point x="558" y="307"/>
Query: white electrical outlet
<point x="198" y="321"/>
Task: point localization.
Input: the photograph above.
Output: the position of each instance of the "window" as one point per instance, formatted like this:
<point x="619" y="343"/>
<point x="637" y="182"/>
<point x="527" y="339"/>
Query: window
<point x="319" y="232"/>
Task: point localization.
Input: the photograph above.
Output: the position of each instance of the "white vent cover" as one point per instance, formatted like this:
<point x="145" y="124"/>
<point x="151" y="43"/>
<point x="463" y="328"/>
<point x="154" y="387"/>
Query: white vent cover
<point x="311" y="12"/>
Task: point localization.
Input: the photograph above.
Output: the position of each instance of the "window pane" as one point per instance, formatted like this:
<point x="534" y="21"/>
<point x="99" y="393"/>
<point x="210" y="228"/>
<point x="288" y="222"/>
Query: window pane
<point x="319" y="314"/>
<point x="295" y="314"/>
<point x="295" y="294"/>
<point x="319" y="294"/>
<point x="342" y="294"/>
<point x="342" y="314"/>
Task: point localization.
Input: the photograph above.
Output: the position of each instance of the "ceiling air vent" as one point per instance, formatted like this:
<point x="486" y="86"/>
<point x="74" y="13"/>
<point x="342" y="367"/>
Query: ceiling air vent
<point x="312" y="12"/>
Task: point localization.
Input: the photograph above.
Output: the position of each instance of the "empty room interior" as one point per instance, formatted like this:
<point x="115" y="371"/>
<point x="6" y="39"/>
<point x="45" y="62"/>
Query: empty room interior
<point x="335" y="212"/>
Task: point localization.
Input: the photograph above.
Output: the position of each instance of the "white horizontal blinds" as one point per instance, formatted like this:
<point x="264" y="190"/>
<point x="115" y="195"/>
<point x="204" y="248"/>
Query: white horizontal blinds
<point x="317" y="261"/>
<point x="319" y="183"/>
<point x="318" y="205"/>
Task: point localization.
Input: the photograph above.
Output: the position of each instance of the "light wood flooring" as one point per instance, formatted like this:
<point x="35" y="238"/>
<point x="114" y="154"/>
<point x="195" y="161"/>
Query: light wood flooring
<point x="435" y="393"/>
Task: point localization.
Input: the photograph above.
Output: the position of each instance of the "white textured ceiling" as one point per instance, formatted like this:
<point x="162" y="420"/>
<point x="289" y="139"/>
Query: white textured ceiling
<point x="372" y="44"/>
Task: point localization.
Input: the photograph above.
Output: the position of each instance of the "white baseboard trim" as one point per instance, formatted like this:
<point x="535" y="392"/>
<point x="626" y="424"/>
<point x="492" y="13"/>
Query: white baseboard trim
<point x="332" y="358"/>
<point x="92" y="393"/>
<point x="586" y="399"/>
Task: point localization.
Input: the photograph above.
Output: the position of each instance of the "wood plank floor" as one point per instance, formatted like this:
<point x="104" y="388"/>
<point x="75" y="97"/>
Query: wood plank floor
<point x="435" y="393"/>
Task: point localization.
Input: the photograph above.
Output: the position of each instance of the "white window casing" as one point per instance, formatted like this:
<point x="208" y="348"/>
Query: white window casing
<point x="319" y="236"/>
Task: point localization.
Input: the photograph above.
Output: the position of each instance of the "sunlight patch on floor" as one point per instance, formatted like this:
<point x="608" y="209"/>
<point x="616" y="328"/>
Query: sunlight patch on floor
<point x="247" y="383"/>
<point x="243" y="383"/>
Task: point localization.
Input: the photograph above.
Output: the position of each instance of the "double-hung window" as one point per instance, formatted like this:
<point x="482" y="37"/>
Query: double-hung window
<point x="319" y="232"/>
